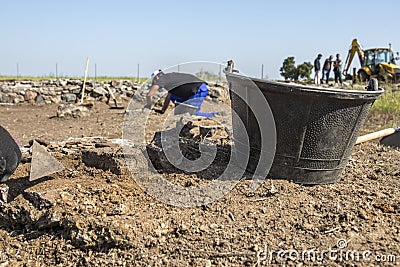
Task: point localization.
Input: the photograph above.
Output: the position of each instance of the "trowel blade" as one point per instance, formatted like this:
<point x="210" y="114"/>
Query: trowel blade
<point x="10" y="155"/>
<point x="43" y="163"/>
<point x="391" y="140"/>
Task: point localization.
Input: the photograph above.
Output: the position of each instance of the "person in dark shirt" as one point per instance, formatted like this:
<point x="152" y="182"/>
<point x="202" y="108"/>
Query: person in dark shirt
<point x="337" y="70"/>
<point x="182" y="88"/>
<point x="317" y="69"/>
<point x="326" y="69"/>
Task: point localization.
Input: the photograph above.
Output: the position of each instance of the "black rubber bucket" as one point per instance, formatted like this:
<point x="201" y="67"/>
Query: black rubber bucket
<point x="316" y="128"/>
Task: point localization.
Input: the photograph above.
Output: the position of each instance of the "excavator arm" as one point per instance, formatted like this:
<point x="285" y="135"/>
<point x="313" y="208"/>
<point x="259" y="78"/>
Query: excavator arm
<point x="355" y="48"/>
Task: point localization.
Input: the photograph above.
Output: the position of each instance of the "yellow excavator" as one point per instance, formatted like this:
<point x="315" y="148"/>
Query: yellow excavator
<point x="375" y="63"/>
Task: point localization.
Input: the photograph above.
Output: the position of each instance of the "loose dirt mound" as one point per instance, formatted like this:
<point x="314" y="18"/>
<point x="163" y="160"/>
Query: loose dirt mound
<point x="87" y="216"/>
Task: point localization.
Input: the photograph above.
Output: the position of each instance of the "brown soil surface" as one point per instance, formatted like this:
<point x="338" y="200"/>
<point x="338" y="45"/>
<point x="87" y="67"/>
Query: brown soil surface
<point x="85" y="216"/>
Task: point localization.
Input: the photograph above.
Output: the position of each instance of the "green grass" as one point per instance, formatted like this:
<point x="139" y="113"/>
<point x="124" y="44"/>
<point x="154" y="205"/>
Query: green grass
<point x="24" y="78"/>
<point x="388" y="102"/>
<point x="125" y="78"/>
<point x="41" y="78"/>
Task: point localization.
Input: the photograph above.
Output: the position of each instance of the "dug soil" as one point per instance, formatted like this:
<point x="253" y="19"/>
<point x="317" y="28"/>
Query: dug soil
<point x="87" y="216"/>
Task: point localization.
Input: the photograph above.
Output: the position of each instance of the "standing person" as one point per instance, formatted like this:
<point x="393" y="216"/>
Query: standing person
<point x="326" y="69"/>
<point x="317" y="70"/>
<point x="337" y="70"/>
<point x="182" y="88"/>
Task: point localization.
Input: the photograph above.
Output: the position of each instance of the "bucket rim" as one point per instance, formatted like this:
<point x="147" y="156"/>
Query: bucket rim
<point x="311" y="89"/>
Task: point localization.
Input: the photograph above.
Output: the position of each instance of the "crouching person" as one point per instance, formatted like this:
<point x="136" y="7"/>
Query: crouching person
<point x="182" y="88"/>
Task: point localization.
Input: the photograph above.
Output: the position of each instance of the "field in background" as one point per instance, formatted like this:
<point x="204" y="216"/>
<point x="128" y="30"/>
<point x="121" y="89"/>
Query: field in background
<point x="100" y="78"/>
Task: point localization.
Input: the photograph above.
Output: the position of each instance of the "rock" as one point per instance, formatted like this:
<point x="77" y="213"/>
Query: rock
<point x="379" y="195"/>
<point x="49" y="93"/>
<point x="203" y="228"/>
<point x="36" y="84"/>
<point x="8" y="98"/>
<point x="115" y="83"/>
<point x="21" y="86"/>
<point x="71" y="110"/>
<point x="76" y="91"/>
<point x="39" y="99"/>
<point x="3" y="193"/>
<point x="6" y="90"/>
<point x="213" y="226"/>
<point x="48" y="221"/>
<point x="69" y="97"/>
<point x="363" y="214"/>
<point x="19" y="99"/>
<point x="105" y="158"/>
<point x="30" y="95"/>
<point x="40" y="200"/>
<point x="89" y="83"/>
<point x="40" y="141"/>
<point x="209" y="130"/>
<point x="63" y="83"/>
<point x="384" y="206"/>
<point x="88" y="90"/>
<point x="220" y="93"/>
<point x="158" y="148"/>
<point x="99" y="91"/>
<point x="56" y="99"/>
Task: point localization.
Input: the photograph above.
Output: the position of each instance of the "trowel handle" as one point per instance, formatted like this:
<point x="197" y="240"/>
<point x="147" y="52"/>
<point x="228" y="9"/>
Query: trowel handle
<point x="375" y="135"/>
<point x="111" y="94"/>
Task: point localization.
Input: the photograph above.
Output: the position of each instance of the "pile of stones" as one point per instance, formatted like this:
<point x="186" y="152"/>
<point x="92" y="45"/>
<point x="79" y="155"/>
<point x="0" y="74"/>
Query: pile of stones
<point x="57" y="91"/>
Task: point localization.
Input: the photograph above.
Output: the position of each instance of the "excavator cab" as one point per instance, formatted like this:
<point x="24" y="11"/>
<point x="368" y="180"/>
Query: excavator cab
<point x="379" y="63"/>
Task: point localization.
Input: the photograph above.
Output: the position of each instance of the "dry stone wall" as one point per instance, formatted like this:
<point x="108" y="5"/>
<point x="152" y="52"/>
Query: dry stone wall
<point x="69" y="91"/>
<point x="56" y="91"/>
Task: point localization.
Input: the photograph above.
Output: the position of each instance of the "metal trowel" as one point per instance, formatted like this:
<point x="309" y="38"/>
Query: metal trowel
<point x="10" y="155"/>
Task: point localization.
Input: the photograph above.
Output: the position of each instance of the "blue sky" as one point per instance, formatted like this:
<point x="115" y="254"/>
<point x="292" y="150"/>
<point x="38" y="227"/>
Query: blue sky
<point x="119" y="35"/>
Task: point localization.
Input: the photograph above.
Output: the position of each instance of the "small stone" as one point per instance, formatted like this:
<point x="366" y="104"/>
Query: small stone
<point x="213" y="226"/>
<point x="69" y="97"/>
<point x="379" y="195"/>
<point x="8" y="98"/>
<point x="39" y="99"/>
<point x="19" y="99"/>
<point x="203" y="228"/>
<point x="3" y="193"/>
<point x="66" y="197"/>
<point x="63" y="83"/>
<point x="231" y="216"/>
<point x="384" y="207"/>
<point x="363" y="215"/>
<point x="72" y="110"/>
<point x="56" y="99"/>
<point x="40" y="200"/>
<point x="99" y="91"/>
<point x="36" y="84"/>
<point x="255" y="248"/>
<point x="30" y="95"/>
<point x="308" y="226"/>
